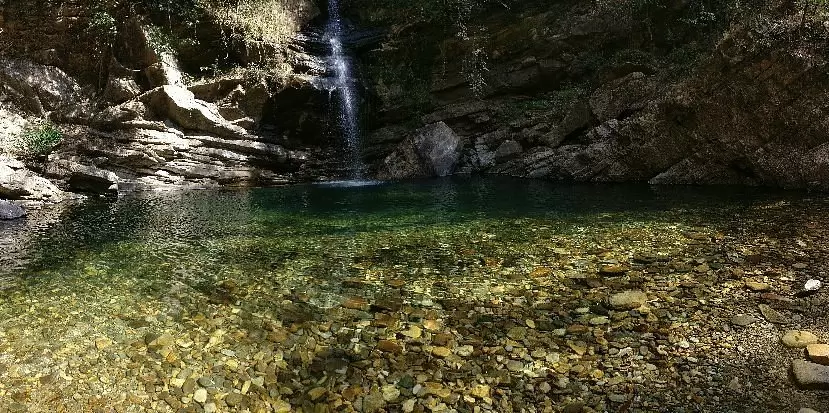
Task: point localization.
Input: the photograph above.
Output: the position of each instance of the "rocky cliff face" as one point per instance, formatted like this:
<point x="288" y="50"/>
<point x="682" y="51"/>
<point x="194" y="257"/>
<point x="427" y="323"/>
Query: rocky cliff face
<point x="148" y="104"/>
<point x="674" y="92"/>
<point x="660" y="91"/>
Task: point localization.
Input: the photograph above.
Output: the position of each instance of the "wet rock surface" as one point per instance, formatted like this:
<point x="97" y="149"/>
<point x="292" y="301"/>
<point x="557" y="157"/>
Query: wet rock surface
<point x="247" y="312"/>
<point x="9" y="211"/>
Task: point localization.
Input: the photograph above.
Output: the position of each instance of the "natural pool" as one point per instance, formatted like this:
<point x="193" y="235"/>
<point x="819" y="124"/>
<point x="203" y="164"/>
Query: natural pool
<point x="442" y="295"/>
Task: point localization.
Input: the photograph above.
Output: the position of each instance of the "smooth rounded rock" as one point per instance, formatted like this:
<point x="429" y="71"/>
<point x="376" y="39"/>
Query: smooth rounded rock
<point x="628" y="300"/>
<point x="743" y="320"/>
<point x="200" y="395"/>
<point x="799" y="339"/>
<point x="812" y="285"/>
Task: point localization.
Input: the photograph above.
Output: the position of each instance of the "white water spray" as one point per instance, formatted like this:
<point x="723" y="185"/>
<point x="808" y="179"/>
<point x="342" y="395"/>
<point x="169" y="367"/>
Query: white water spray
<point x="344" y="86"/>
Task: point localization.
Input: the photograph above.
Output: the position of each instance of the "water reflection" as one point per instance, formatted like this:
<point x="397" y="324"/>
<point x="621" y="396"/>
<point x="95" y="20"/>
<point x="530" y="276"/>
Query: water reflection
<point x="183" y="225"/>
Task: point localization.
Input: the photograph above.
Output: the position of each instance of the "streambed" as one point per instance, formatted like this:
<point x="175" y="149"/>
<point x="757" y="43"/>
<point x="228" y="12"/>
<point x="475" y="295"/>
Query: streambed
<point x="442" y="295"/>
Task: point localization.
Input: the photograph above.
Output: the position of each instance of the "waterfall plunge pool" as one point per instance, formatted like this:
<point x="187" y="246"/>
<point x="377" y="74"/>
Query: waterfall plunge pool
<point x="467" y="292"/>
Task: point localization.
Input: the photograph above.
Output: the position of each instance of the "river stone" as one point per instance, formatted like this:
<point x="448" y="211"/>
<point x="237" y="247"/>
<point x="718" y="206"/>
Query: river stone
<point x="757" y="286"/>
<point x="628" y="300"/>
<point x="200" y="395"/>
<point x="515" y="365"/>
<point x="612" y="269"/>
<point x="432" y="325"/>
<point x="465" y="351"/>
<point x="390" y="392"/>
<point x="517" y="333"/>
<point x="441" y="352"/>
<point x="317" y="392"/>
<point x="811" y="375"/>
<point x="389" y="346"/>
<point x="818" y="353"/>
<point x="480" y="391"/>
<point x="281" y="406"/>
<point x="373" y="402"/>
<point x="743" y="320"/>
<point x="413" y="332"/>
<point x="233" y="399"/>
<point x="772" y="315"/>
<point x="355" y="303"/>
<point x="799" y="339"/>
<point x="10" y="211"/>
<point x="812" y="285"/>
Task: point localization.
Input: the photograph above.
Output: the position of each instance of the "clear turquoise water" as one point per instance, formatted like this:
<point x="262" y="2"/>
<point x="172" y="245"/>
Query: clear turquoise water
<point x="318" y="233"/>
<point x="245" y="263"/>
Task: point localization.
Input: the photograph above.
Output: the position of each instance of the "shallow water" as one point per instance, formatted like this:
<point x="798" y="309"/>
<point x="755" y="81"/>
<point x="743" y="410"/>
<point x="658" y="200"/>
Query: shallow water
<point x="256" y="286"/>
<point x="322" y="231"/>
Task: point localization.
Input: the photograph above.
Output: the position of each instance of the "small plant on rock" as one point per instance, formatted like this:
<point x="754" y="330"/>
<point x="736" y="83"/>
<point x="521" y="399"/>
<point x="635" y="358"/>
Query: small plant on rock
<point x="39" y="140"/>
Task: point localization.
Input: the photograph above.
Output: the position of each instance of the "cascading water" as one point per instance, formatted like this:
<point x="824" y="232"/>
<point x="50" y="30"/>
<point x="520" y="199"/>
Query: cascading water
<point x="343" y="85"/>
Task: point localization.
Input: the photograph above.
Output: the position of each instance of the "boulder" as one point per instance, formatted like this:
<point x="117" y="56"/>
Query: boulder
<point x="818" y="353"/>
<point x="237" y="101"/>
<point x="181" y="106"/>
<point x="121" y="84"/>
<point x="9" y="211"/>
<point x="579" y="117"/>
<point x="21" y="183"/>
<point x="120" y="115"/>
<point x="83" y="178"/>
<point x="121" y="89"/>
<point x="12" y="125"/>
<point x="439" y="148"/>
<point x="37" y="88"/>
<point x="799" y="339"/>
<point x="434" y="150"/>
<point x="215" y="90"/>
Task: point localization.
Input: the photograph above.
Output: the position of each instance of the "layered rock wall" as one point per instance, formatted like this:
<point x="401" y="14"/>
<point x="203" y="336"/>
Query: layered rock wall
<point x="681" y="92"/>
<point x="137" y="106"/>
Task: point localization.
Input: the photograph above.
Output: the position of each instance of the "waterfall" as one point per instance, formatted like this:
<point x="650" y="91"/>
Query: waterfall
<point x="344" y="87"/>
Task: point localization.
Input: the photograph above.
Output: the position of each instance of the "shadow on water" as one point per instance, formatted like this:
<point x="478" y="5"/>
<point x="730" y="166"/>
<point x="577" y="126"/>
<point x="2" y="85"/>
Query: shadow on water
<point x="499" y="197"/>
<point x="197" y="237"/>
